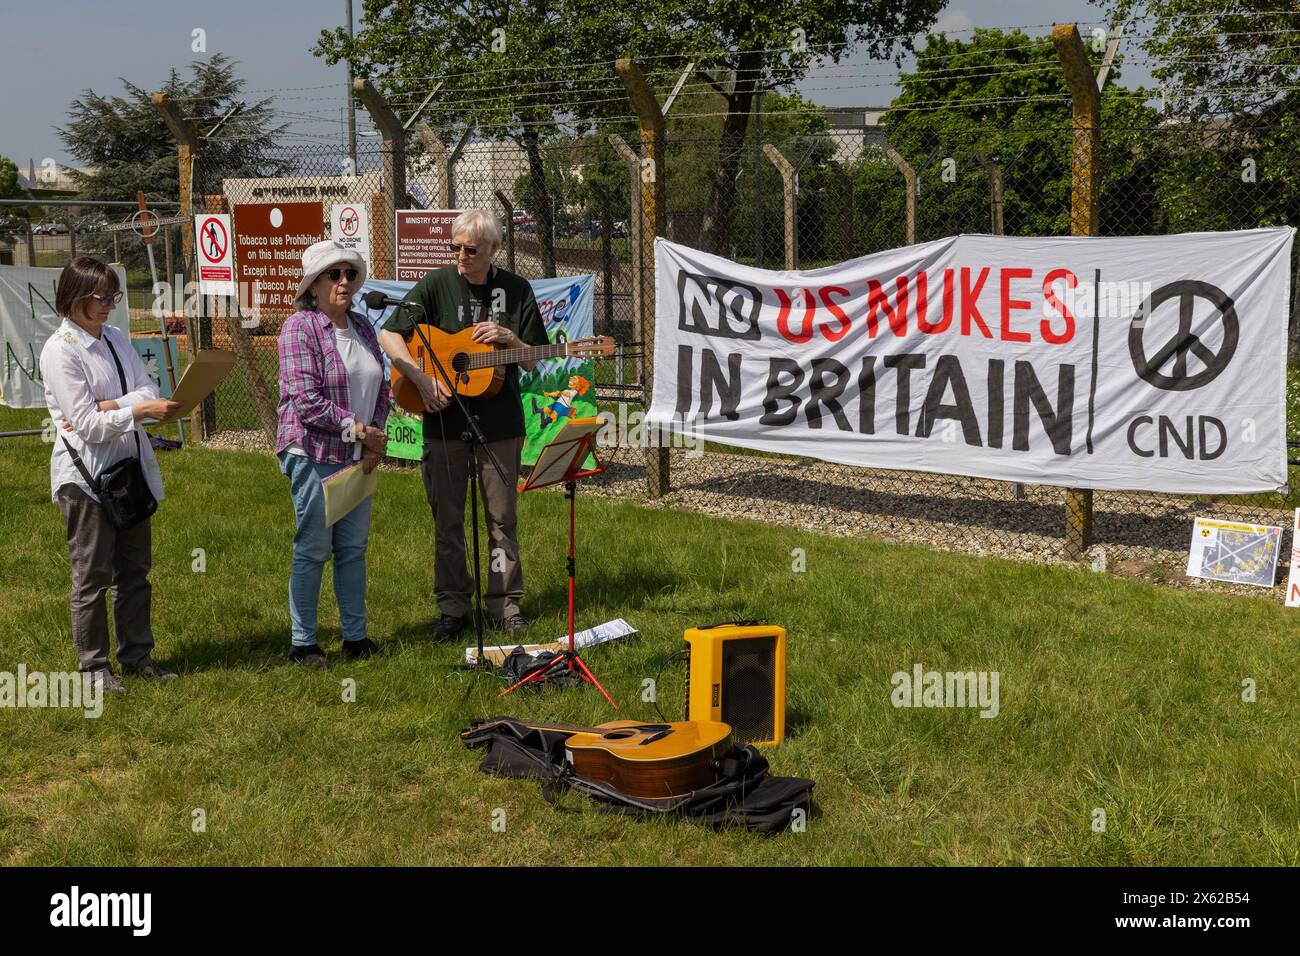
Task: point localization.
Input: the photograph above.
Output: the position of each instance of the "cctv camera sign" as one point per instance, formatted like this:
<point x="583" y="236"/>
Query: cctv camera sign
<point x="1153" y="363"/>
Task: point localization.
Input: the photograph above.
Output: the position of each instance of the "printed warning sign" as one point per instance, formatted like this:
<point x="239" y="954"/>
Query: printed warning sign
<point x="423" y="241"/>
<point x="270" y="239"/>
<point x="216" y="254"/>
<point x="350" y="228"/>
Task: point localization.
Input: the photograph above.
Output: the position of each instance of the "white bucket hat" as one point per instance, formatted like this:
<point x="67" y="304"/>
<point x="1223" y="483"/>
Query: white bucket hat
<point x="322" y="256"/>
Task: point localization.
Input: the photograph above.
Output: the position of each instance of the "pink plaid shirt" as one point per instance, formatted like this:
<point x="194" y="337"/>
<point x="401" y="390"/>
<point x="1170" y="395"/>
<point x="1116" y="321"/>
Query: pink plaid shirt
<point x="314" y="409"/>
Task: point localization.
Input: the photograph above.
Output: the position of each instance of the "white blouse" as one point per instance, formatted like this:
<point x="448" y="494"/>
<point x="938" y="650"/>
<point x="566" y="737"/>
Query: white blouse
<point x="78" y="371"/>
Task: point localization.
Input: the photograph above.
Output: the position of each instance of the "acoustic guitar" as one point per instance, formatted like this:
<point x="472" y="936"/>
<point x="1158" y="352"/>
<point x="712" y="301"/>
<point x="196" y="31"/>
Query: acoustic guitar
<point x="477" y="369"/>
<point x="644" y="760"/>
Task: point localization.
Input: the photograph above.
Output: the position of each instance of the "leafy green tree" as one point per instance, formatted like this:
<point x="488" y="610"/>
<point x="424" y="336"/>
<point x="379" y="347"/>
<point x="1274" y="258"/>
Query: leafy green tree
<point x="126" y="144"/>
<point x="1229" y="79"/>
<point x="12" y="222"/>
<point x="770" y="45"/>
<point x="517" y="71"/>
<point x="1001" y="97"/>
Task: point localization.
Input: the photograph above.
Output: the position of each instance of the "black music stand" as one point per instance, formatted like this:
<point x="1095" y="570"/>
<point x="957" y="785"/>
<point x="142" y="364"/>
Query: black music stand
<point x="561" y="462"/>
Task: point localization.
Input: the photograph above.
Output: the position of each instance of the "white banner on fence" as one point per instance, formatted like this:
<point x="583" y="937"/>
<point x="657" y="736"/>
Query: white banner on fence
<point x="27" y="319"/>
<point x="1152" y="362"/>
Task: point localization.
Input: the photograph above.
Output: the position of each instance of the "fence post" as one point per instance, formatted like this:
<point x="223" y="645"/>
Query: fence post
<point x="651" y="174"/>
<point x="787" y="192"/>
<point x="203" y="418"/>
<point x="633" y="243"/>
<point x="394" y="173"/>
<point x="909" y="179"/>
<point x="995" y="217"/>
<point x="434" y="145"/>
<point x="1085" y="190"/>
<point x="451" y="166"/>
<point x="508" y="206"/>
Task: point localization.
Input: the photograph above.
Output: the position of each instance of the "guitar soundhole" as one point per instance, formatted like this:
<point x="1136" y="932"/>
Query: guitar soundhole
<point x="460" y="362"/>
<point x="620" y="734"/>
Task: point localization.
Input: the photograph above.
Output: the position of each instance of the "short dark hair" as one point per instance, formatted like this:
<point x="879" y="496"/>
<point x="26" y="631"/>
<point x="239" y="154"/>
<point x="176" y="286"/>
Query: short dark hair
<point x="80" y="278"/>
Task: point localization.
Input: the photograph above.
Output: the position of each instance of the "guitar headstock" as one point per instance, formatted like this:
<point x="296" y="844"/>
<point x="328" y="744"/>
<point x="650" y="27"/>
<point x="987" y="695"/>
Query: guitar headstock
<point x="600" y="346"/>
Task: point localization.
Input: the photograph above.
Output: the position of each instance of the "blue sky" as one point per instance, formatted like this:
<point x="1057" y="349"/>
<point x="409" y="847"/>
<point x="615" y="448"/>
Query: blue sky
<point x="53" y="49"/>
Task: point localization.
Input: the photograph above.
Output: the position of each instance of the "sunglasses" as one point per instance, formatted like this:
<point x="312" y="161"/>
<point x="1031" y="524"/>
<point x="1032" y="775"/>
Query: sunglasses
<point x="469" y="250"/>
<point x="335" y="273"/>
<point x="111" y="299"/>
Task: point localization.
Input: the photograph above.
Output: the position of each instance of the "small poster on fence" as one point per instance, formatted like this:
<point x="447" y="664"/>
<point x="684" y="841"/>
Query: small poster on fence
<point x="1234" y="551"/>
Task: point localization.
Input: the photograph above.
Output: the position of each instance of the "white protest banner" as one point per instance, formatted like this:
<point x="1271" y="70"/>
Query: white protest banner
<point x="27" y="319"/>
<point x="1153" y="362"/>
<point x="216" y="254"/>
<point x="350" y="227"/>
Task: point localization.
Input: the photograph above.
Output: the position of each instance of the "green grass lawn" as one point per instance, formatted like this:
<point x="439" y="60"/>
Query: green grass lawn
<point x="1113" y="695"/>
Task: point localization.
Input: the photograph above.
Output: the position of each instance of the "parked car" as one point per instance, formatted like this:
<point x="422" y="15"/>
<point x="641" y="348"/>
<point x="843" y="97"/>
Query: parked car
<point x="58" y="229"/>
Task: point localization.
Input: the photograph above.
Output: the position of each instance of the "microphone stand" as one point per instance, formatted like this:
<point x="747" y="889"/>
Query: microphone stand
<point x="473" y="438"/>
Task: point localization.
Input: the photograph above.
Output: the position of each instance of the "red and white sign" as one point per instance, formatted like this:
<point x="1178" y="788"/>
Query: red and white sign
<point x="216" y="254"/>
<point x="423" y="241"/>
<point x="1293" y="579"/>
<point x="350" y="227"/>
<point x="271" y="238"/>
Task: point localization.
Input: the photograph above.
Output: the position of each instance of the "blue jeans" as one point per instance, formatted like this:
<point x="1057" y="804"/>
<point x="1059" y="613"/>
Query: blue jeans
<point x="312" y="546"/>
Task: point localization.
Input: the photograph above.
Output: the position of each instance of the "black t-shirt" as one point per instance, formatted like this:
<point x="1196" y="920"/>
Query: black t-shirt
<point x="506" y="297"/>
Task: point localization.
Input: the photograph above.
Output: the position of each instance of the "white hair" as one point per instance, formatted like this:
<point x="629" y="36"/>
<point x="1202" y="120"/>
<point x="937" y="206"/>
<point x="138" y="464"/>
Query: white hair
<point x="481" y="226"/>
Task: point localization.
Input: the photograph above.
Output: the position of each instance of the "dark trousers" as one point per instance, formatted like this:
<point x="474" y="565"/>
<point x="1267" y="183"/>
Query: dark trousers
<point x="446" y="481"/>
<point x="103" y="557"/>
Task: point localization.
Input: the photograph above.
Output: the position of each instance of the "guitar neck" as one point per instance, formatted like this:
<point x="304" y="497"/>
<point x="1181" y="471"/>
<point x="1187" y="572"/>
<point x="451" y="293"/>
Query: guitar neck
<point x="532" y="353"/>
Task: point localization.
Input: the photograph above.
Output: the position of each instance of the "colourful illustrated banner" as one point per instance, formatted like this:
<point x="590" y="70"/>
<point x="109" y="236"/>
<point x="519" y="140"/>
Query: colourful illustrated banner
<point x="554" y="392"/>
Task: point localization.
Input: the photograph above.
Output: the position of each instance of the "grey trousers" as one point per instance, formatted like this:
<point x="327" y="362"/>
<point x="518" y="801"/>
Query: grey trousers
<point x="445" y="469"/>
<point x="104" y="557"/>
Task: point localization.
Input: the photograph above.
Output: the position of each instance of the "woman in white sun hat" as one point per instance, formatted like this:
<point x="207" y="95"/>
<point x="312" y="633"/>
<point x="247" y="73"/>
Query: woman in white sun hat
<point x="334" y="401"/>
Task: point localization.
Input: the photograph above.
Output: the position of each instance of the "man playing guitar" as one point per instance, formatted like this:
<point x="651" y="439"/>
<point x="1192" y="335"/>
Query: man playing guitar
<point x="503" y="310"/>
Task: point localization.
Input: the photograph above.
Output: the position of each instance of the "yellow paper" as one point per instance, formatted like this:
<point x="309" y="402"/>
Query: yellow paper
<point x="204" y="373"/>
<point x="345" y="489"/>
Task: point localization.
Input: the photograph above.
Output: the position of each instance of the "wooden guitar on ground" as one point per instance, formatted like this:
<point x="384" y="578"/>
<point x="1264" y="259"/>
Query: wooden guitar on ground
<point x="478" y="369"/>
<point x="643" y="760"/>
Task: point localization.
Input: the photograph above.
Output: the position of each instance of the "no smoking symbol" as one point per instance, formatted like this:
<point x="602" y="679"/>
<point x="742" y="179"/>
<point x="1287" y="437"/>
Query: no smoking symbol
<point x="1185" y="342"/>
<point x="349" y="221"/>
<point x="213" y="240"/>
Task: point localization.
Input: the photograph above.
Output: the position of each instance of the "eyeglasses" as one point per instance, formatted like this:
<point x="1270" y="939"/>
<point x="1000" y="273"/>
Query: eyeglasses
<point x="469" y="250"/>
<point x="111" y="299"/>
<point x="335" y="273"/>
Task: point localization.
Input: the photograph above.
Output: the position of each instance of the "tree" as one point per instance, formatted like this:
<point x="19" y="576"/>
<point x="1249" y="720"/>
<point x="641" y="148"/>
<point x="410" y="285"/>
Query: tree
<point x="517" y="72"/>
<point x="1002" y="96"/>
<point x="1230" y="81"/>
<point x="126" y="144"/>
<point x="11" y="222"/>
<point x="768" y="45"/>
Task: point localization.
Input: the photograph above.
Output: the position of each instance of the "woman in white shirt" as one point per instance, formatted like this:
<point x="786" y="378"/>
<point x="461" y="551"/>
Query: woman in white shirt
<point x="100" y="420"/>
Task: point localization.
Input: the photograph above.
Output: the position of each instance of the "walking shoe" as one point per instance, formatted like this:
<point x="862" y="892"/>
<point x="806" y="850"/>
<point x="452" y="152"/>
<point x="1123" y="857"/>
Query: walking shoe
<point x="513" y="622"/>
<point x="359" y="650"/>
<point x="449" y="625"/>
<point x="149" y="669"/>
<point x="311" y="655"/>
<point x="106" y="680"/>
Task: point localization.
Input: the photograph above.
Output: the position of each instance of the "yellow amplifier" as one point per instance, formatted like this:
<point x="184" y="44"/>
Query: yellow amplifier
<point x="736" y="674"/>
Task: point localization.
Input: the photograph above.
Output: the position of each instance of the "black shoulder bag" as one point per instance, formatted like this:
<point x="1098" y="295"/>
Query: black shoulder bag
<point x="121" y="487"/>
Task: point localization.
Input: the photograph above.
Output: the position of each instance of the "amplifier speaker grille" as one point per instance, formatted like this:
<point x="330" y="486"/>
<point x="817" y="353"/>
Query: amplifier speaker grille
<point x="748" y="686"/>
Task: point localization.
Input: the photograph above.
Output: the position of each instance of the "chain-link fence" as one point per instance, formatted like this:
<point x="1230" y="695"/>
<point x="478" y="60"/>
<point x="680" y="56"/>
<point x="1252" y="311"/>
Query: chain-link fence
<point x="802" y="195"/>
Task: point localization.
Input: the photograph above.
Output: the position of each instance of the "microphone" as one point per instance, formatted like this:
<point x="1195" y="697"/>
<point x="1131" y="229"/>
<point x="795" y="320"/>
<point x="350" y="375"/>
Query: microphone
<point x="377" y="300"/>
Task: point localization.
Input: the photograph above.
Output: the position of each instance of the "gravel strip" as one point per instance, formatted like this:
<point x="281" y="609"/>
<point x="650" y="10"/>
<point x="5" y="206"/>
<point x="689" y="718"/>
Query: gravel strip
<point x="1139" y="536"/>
